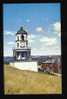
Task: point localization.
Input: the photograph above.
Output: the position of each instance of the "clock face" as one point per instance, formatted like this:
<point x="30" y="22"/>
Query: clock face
<point x="22" y="44"/>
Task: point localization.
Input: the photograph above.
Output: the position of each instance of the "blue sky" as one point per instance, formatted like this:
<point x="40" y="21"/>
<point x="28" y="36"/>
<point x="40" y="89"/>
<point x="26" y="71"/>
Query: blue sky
<point x="41" y="21"/>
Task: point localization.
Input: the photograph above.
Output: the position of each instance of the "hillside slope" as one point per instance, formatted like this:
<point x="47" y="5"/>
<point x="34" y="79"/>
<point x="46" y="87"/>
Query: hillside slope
<point x="27" y="82"/>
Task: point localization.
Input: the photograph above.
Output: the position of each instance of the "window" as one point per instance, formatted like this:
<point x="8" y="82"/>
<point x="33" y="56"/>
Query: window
<point x="22" y="37"/>
<point x="17" y="44"/>
<point x="18" y="38"/>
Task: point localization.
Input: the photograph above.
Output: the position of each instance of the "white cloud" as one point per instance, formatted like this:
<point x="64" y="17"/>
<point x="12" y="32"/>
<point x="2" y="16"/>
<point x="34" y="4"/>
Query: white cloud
<point x="45" y="46"/>
<point x="57" y="28"/>
<point x="9" y="33"/>
<point x="31" y="36"/>
<point x="31" y="39"/>
<point x="39" y="29"/>
<point x="45" y="51"/>
<point x="8" y="52"/>
<point x="42" y="49"/>
<point x="28" y="20"/>
<point x="48" y="41"/>
<point x="11" y="43"/>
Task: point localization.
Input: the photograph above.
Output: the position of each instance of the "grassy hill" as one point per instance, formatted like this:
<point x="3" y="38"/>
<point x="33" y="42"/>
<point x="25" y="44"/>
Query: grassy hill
<point x="28" y="82"/>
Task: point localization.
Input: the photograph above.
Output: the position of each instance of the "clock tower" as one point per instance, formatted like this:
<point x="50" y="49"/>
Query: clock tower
<point x="22" y="51"/>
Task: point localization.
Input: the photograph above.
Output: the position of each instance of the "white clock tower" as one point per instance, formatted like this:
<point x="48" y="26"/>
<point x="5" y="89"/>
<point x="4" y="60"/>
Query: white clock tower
<point x="21" y="52"/>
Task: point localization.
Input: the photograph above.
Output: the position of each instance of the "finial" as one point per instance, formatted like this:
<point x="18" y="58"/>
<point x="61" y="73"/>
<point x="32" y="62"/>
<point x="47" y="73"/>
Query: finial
<point x="21" y="28"/>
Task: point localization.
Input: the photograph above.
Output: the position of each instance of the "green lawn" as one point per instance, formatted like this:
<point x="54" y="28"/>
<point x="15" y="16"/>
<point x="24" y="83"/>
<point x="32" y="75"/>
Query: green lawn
<point x="27" y="82"/>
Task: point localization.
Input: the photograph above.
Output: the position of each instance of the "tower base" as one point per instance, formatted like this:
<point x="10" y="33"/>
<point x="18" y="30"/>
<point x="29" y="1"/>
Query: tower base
<point x="31" y="66"/>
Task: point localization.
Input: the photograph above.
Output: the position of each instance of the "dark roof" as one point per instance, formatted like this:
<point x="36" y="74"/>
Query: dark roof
<point x="21" y="31"/>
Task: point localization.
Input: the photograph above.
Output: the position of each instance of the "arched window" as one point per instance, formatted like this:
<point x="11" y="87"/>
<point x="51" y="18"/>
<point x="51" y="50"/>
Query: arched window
<point x="17" y="44"/>
<point x="18" y="38"/>
<point x="22" y="37"/>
